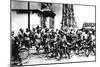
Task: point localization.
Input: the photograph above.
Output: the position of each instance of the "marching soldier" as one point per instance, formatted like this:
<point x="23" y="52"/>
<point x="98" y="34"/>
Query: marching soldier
<point x="27" y="38"/>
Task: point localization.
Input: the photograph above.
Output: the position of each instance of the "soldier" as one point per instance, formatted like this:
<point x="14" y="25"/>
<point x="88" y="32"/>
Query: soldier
<point x="46" y="41"/>
<point x="89" y="47"/>
<point x="27" y="38"/>
<point x="15" y="49"/>
<point x="32" y="37"/>
<point x="21" y="37"/>
<point x="38" y="40"/>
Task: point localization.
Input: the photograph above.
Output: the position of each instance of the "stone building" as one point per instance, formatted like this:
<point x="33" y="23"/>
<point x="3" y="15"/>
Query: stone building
<point x="30" y="14"/>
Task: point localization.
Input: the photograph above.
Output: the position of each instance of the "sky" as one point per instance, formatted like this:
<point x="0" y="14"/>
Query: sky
<point x="84" y="14"/>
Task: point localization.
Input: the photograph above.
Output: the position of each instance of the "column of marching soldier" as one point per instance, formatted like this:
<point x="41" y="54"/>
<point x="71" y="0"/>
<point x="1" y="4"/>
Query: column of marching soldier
<point x="55" y="44"/>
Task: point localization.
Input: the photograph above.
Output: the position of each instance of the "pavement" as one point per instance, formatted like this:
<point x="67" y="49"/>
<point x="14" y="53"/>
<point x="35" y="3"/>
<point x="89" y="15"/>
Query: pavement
<point x="34" y="59"/>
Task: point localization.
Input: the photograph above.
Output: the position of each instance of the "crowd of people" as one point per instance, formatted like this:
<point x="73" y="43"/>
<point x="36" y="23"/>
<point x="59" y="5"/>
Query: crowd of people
<point x="56" y="43"/>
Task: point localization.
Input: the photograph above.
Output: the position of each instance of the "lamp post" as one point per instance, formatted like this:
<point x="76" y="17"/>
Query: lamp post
<point x="29" y="15"/>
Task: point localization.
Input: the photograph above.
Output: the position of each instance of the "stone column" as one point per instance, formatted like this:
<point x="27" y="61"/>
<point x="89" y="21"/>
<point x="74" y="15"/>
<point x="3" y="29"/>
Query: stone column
<point x="51" y="23"/>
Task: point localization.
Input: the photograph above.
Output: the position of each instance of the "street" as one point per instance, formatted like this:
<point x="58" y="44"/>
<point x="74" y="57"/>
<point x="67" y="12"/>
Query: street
<point x="41" y="59"/>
